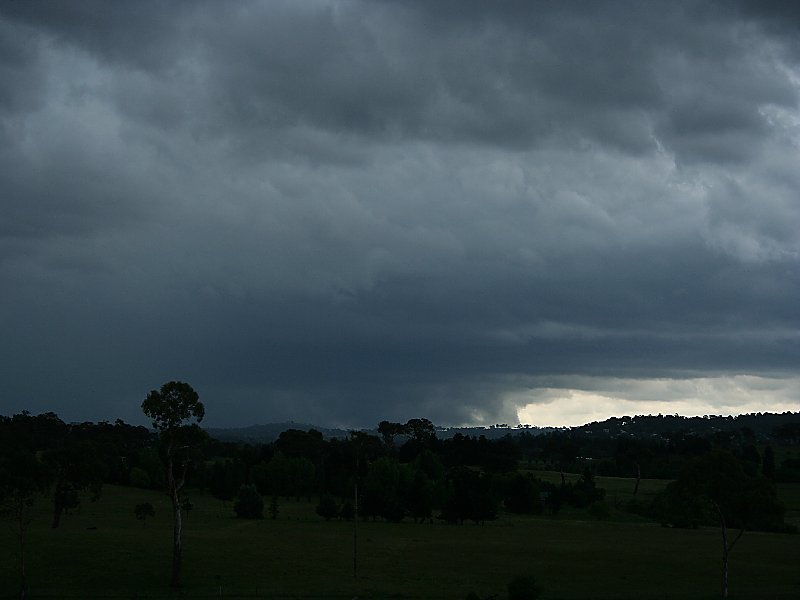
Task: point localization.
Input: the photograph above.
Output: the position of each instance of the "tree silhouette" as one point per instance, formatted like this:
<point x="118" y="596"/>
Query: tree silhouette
<point x="170" y="408"/>
<point x="22" y="478"/>
<point x="389" y="431"/>
<point x="469" y="496"/>
<point x="327" y="507"/>
<point x="716" y="488"/>
<point x="768" y="464"/>
<point x="75" y="467"/>
<point x="139" y="478"/>
<point x="144" y="510"/>
<point x="249" y="503"/>
<point x="273" y="509"/>
<point x="523" y="588"/>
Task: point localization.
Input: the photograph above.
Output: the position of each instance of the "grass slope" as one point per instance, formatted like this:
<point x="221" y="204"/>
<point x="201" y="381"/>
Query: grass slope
<point x="105" y="552"/>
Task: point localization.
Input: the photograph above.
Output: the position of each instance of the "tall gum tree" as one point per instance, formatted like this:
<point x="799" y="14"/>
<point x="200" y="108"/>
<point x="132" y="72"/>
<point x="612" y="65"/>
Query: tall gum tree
<point x="172" y="408"/>
<point x="716" y="488"/>
<point x="22" y="479"/>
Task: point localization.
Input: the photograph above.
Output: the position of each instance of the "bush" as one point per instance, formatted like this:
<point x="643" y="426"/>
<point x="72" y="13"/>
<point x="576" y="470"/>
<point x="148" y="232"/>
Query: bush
<point x="327" y="507"/>
<point x="139" y="478"/>
<point x="144" y="510"/>
<point x="521" y="495"/>
<point x="789" y="471"/>
<point x="347" y="512"/>
<point x="636" y="507"/>
<point x="249" y="503"/>
<point x="599" y="510"/>
<point x="523" y="588"/>
<point x="273" y="508"/>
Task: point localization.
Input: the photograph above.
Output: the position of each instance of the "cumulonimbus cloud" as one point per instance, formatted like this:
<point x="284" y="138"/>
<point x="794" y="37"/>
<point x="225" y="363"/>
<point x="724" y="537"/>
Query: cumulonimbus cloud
<point x="351" y="211"/>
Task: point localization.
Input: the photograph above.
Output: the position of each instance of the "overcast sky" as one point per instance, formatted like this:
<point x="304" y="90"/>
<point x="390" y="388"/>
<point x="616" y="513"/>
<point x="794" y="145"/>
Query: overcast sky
<point x="340" y="212"/>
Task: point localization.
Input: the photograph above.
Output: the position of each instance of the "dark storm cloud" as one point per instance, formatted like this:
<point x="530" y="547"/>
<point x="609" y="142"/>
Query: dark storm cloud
<point x="19" y="81"/>
<point x="137" y="35"/>
<point x="349" y="211"/>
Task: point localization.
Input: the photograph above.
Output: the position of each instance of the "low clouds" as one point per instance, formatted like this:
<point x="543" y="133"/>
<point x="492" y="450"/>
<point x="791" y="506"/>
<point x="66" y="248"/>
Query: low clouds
<point x="350" y="211"/>
<point x="594" y="400"/>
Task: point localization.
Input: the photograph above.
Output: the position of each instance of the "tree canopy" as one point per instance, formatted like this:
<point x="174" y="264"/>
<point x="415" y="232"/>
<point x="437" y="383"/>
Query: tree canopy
<point x="171" y="406"/>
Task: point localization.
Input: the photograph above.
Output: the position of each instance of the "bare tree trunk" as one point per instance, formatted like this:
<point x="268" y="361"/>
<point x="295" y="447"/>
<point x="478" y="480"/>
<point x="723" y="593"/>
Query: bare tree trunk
<point x="355" y="527"/>
<point x="355" y="510"/>
<point x="22" y="577"/>
<point x="20" y="510"/>
<point x="176" y="540"/>
<point x="726" y="550"/>
<point x="174" y="493"/>
<point x="58" y="508"/>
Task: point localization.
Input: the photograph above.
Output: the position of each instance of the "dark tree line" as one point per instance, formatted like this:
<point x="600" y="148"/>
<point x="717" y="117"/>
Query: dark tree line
<point x="73" y="458"/>
<point x="41" y="455"/>
<point x="404" y="472"/>
<point x="409" y="473"/>
<point x="722" y="476"/>
<point x="660" y="453"/>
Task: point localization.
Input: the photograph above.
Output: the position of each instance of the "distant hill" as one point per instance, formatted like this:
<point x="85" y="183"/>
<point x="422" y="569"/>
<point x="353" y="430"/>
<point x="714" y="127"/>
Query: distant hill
<point x="492" y="432"/>
<point x="762" y="425"/>
<point x="269" y="432"/>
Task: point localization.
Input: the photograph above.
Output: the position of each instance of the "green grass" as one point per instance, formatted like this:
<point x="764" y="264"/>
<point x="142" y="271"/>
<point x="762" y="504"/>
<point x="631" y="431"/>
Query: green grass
<point x="615" y="486"/>
<point x="619" y="490"/>
<point x="105" y="552"/>
<point x="789" y="494"/>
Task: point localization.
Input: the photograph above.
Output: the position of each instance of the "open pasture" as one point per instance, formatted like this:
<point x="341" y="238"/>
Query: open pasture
<point x="618" y="489"/>
<point x="105" y="552"/>
<point x="789" y="494"/>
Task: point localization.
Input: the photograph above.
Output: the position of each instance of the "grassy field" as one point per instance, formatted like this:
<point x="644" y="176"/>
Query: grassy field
<point x="105" y="552"/>
<point x="620" y="489"/>
<point x="789" y="494"/>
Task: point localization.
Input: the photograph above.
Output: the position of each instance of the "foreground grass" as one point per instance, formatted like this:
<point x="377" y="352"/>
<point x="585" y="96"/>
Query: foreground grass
<point x="105" y="552"/>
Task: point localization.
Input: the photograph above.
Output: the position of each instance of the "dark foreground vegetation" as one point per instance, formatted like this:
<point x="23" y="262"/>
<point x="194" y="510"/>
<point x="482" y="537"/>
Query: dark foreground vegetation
<point x="628" y="508"/>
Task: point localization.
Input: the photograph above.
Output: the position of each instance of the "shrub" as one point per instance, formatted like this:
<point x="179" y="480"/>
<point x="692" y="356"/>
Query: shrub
<point x="187" y="506"/>
<point x="636" y="507"/>
<point x="347" y="512"/>
<point x="599" y="510"/>
<point x="523" y="588"/>
<point x="144" y="510"/>
<point x="273" y="508"/>
<point x="327" y="508"/>
<point x="139" y="478"/>
<point x="249" y="503"/>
